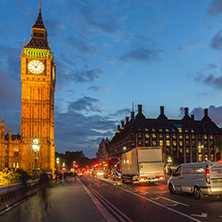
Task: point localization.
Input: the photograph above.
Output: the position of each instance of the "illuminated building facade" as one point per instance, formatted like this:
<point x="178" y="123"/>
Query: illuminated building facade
<point x="37" y="99"/>
<point x="184" y="140"/>
<point x="38" y="74"/>
<point x="9" y="148"/>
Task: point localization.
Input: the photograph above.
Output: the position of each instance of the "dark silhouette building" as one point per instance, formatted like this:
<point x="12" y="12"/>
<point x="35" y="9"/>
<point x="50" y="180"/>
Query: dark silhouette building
<point x="184" y="140"/>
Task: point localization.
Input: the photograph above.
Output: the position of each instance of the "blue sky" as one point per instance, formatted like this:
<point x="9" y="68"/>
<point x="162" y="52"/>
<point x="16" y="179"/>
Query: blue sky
<point x="110" y="53"/>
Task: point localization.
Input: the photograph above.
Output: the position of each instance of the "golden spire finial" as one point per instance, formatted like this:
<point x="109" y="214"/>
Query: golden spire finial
<point x="40" y="4"/>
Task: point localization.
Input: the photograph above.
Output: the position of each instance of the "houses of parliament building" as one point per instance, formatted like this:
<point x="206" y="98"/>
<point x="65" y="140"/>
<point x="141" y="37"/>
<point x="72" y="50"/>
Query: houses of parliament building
<point x="38" y="74"/>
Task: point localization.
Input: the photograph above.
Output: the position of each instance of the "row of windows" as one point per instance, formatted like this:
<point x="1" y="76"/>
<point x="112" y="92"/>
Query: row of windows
<point x="180" y="130"/>
<point x="174" y="136"/>
<point x="174" y="143"/>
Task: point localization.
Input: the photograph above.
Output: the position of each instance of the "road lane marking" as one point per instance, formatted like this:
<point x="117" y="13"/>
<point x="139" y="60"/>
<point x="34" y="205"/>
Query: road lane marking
<point x="174" y="201"/>
<point x="161" y="192"/>
<point x="155" y="198"/>
<point x="161" y="205"/>
<point x="104" y="212"/>
<point x="171" y="205"/>
<point x="201" y="215"/>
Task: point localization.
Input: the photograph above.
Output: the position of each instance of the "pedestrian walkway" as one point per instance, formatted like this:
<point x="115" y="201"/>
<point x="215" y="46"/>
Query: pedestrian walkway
<point x="68" y="201"/>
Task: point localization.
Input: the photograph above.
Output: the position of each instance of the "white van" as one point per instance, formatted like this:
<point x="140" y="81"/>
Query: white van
<point x="203" y="178"/>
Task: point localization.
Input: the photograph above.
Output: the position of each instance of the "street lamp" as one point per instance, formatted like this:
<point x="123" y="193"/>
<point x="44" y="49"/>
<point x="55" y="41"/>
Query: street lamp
<point x="169" y="160"/>
<point x="35" y="148"/>
<point x="124" y="149"/>
<point x="57" y="162"/>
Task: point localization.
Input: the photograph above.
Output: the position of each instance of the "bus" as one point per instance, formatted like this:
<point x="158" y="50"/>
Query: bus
<point x="108" y="165"/>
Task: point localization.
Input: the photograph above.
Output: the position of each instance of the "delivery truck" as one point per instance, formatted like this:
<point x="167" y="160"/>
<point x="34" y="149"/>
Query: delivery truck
<point x="142" y="164"/>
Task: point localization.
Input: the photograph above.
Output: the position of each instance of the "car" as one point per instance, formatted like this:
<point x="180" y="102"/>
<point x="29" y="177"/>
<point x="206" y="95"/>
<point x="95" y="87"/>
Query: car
<point x="202" y="178"/>
<point x="98" y="173"/>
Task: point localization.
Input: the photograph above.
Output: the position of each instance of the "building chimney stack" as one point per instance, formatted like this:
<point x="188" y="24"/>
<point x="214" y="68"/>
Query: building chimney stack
<point x="122" y="123"/>
<point x="162" y="110"/>
<point x="186" y="111"/>
<point x="192" y="117"/>
<point x="139" y="108"/>
<point x="127" y="119"/>
<point x="205" y="112"/>
<point x="118" y="127"/>
<point x="132" y="115"/>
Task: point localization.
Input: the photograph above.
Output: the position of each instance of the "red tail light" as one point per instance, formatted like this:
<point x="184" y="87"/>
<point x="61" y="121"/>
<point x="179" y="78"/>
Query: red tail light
<point x="219" y="161"/>
<point x="142" y="178"/>
<point x="161" y="177"/>
<point x="207" y="175"/>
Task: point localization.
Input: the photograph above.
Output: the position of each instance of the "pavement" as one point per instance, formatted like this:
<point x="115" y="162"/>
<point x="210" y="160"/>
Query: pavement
<point x="69" y="200"/>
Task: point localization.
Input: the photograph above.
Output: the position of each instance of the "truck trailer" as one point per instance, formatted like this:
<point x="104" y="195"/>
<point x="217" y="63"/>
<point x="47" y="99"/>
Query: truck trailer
<point x="142" y="164"/>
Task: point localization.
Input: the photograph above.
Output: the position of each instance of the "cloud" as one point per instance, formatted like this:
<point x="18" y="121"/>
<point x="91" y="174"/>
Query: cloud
<point x="102" y="17"/>
<point x="79" y="131"/>
<point x="94" y="88"/>
<point x="215" y="82"/>
<point x="81" y="44"/>
<point x="142" y="49"/>
<point x="120" y="113"/>
<point x="215" y="8"/>
<point x="87" y="75"/>
<point x="216" y="42"/>
<point x="210" y="80"/>
<point x="9" y="90"/>
<point x="190" y="45"/>
<point x="84" y="104"/>
<point x="141" y="55"/>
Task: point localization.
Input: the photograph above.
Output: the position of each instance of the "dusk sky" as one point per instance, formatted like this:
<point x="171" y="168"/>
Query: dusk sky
<point x="110" y="53"/>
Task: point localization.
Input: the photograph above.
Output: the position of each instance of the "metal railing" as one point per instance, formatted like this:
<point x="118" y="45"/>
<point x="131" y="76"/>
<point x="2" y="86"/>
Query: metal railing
<point x="12" y="194"/>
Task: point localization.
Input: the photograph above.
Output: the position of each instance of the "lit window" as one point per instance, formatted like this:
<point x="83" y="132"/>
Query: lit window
<point x="181" y="143"/>
<point x="16" y="148"/>
<point x="154" y="143"/>
<point x="167" y="143"/>
<point x="154" y="135"/>
<point x="161" y="142"/>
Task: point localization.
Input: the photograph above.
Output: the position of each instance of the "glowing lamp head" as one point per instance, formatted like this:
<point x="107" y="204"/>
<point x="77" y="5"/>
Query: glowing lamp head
<point x="35" y="140"/>
<point x="35" y="147"/>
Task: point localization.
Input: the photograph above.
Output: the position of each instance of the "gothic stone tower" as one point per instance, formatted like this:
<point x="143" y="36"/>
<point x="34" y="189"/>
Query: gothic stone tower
<point x="37" y="99"/>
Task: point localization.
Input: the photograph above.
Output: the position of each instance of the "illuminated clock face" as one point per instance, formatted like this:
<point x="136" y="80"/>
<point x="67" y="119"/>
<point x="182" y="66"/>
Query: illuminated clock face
<point x="36" y="66"/>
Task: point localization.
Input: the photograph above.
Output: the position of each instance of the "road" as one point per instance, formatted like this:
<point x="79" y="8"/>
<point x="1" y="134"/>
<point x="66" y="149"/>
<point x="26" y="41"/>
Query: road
<point x="153" y="202"/>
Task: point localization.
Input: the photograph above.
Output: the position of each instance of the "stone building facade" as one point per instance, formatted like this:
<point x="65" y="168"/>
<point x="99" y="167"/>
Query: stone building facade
<point x="183" y="140"/>
<point x="38" y="75"/>
<point x="102" y="153"/>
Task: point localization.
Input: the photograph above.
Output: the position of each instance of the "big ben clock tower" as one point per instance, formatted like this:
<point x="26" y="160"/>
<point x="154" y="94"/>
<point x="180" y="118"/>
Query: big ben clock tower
<point x="37" y="99"/>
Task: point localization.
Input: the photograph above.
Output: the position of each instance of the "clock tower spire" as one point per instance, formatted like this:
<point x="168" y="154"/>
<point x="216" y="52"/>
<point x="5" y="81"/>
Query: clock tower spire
<point x="38" y="72"/>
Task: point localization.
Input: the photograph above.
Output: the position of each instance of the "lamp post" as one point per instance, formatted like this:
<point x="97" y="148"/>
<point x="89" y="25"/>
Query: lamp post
<point x="57" y="162"/>
<point x="35" y="148"/>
